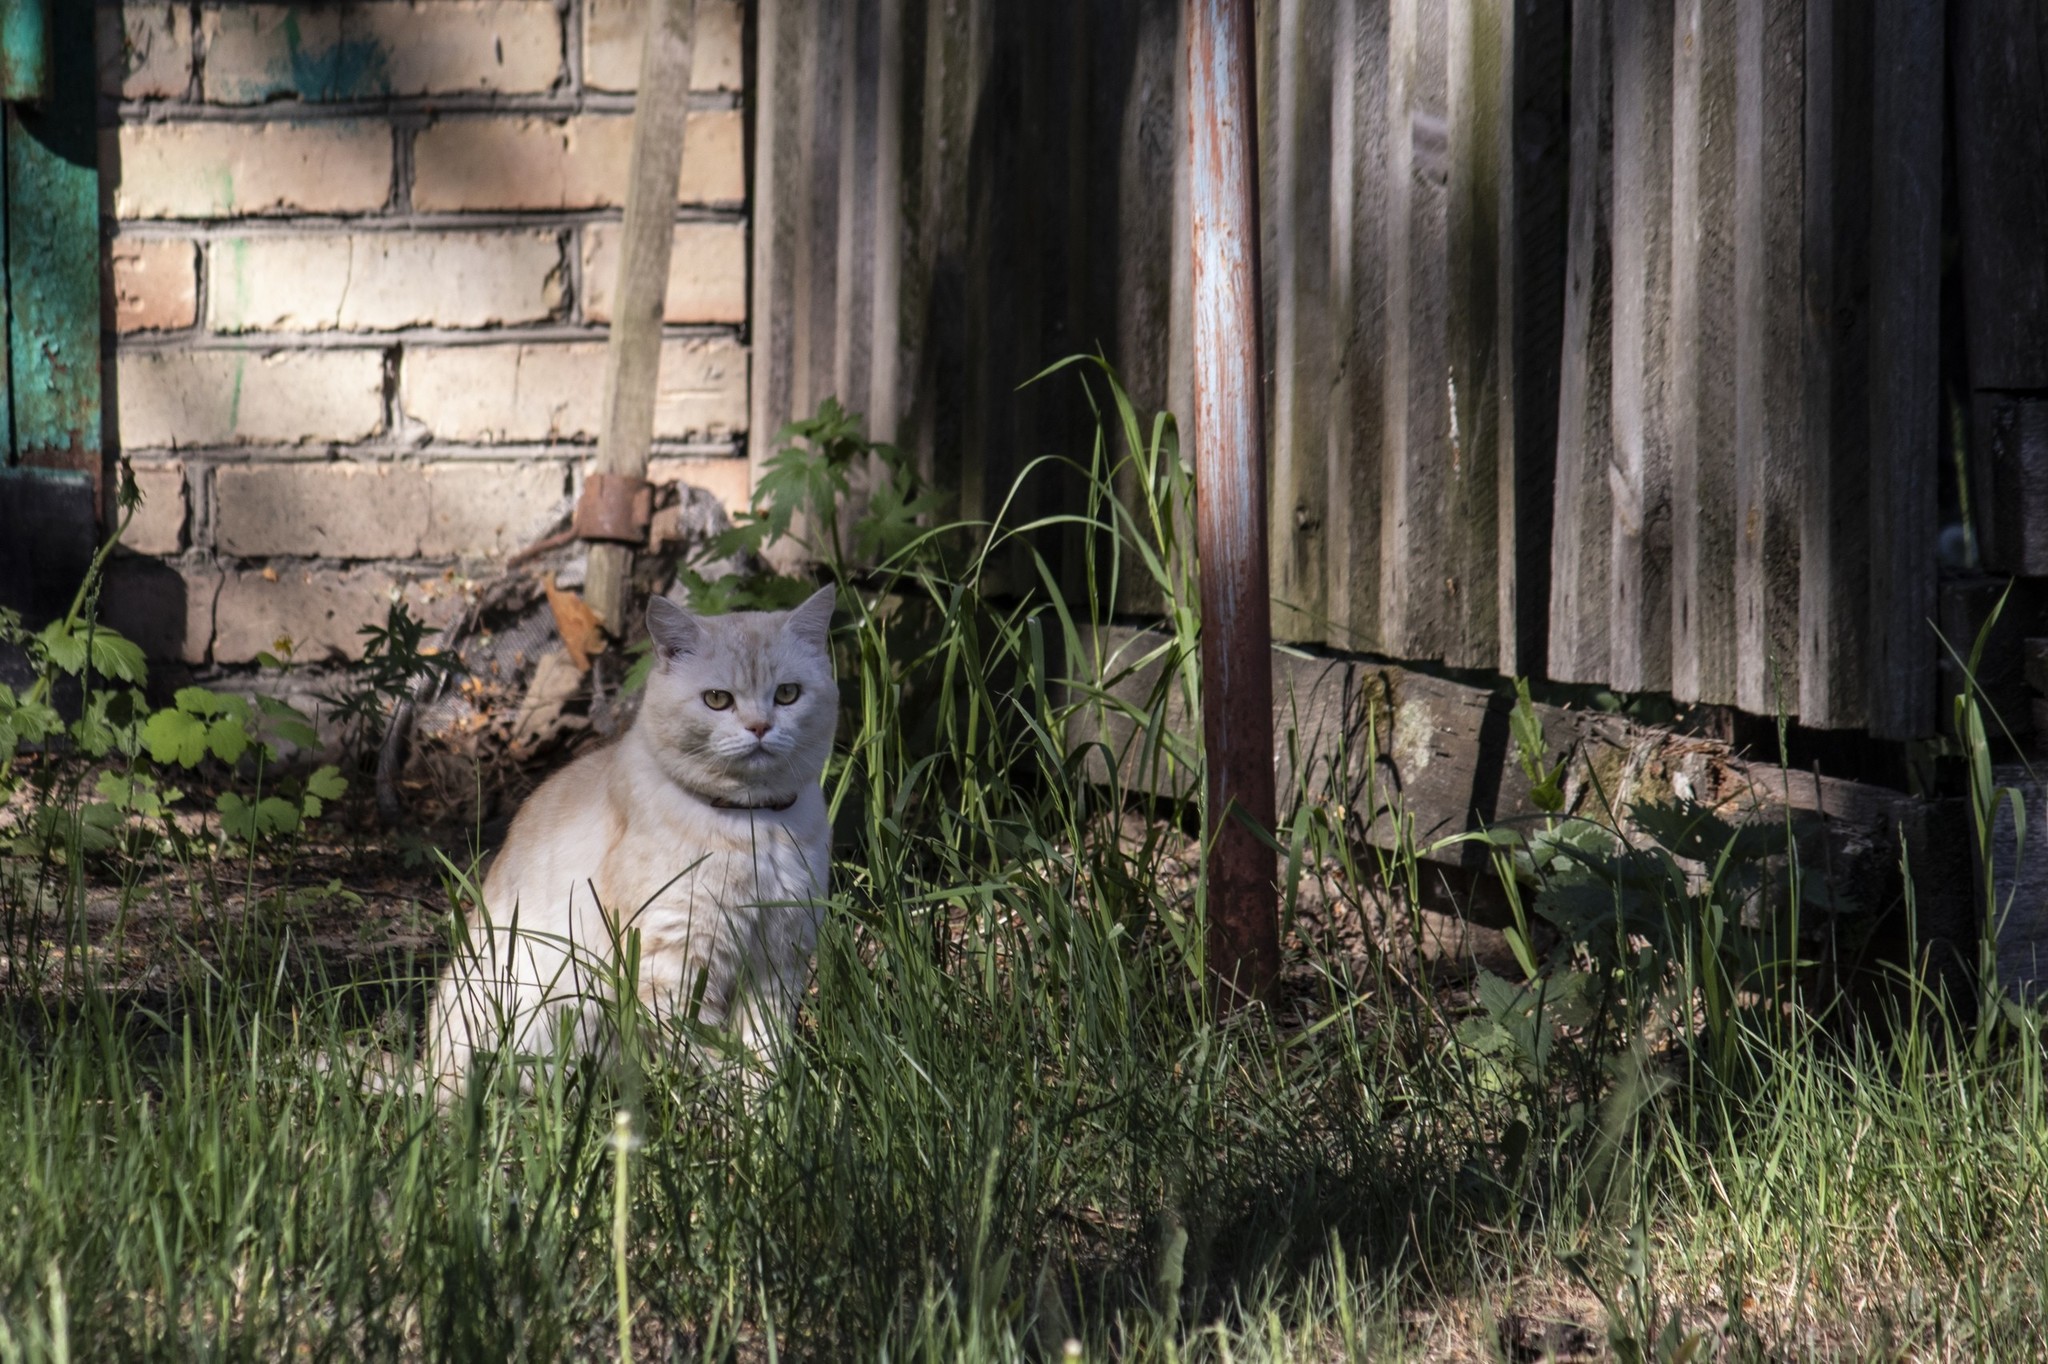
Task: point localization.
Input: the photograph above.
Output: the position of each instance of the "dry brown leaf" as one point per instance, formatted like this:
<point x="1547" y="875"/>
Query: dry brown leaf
<point x="581" y="628"/>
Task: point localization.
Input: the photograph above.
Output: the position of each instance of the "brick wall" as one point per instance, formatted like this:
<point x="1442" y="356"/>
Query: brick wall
<point x="360" y="257"/>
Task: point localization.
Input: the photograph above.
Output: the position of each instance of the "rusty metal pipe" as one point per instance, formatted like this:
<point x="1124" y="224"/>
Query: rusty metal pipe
<point x="1230" y="502"/>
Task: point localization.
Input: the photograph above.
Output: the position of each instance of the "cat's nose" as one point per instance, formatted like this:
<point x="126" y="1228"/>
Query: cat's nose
<point x="759" y="728"/>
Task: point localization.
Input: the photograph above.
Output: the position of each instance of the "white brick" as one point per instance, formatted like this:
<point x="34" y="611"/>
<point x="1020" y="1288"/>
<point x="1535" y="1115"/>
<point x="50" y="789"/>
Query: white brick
<point x="611" y="44"/>
<point x="152" y="285"/>
<point x="226" y="170"/>
<point x="145" y="49"/>
<point x="190" y="398"/>
<point x="256" y="53"/>
<point x="466" y="164"/>
<point x="554" y="391"/>
<point x="726" y="477"/>
<point x="319" y="612"/>
<point x="380" y="281"/>
<point x="383" y="511"/>
<point x="707" y="272"/>
<point x="159" y="524"/>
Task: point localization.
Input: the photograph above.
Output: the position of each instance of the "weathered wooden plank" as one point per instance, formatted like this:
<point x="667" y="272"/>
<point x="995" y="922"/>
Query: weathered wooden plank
<point x="2012" y="442"/>
<point x="885" y="326"/>
<point x="954" y="45"/>
<point x="1360" y="202"/>
<point x="1297" y="209"/>
<point x="1138" y="132"/>
<point x="1472" y="281"/>
<point x="778" y="188"/>
<point x="1415" y="588"/>
<point x="1532" y="161"/>
<point x="2000" y="63"/>
<point x="2001" y="109"/>
<point x="1582" y="518"/>
<point x="1905" y="377"/>
<point x="1769" y="98"/>
<point x="1702" y="378"/>
<point x="859" y="155"/>
<point x="1834" y="553"/>
<point x="1639" y="481"/>
<point x="1410" y="760"/>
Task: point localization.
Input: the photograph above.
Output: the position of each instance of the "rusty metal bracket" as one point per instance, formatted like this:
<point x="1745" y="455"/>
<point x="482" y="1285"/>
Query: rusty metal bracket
<point x="615" y="507"/>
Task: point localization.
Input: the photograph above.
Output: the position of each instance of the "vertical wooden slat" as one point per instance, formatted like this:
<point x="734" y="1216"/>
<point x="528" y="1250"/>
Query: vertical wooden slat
<point x="1360" y="203"/>
<point x="1475" y="90"/>
<point x="1533" y="163"/>
<point x="821" y="109"/>
<point x="1146" y="137"/>
<point x="1834" y="553"/>
<point x="892" y="132"/>
<point x="1582" y="519"/>
<point x="1769" y="94"/>
<point x="2000" y="66"/>
<point x="1905" y="272"/>
<point x="1415" y="606"/>
<point x="1639" y="483"/>
<point x="859" y="101"/>
<point x="1702" y="386"/>
<point x="954" y="45"/>
<point x="2001" y="141"/>
<point x="1299" y="264"/>
<point x="778" y="184"/>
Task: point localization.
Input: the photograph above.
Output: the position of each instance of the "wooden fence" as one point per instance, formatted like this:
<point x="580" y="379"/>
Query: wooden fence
<point x="1603" y="335"/>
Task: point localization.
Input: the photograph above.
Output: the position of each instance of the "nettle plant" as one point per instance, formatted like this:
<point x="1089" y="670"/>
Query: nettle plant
<point x="797" y="499"/>
<point x="1676" y="936"/>
<point x="85" y="716"/>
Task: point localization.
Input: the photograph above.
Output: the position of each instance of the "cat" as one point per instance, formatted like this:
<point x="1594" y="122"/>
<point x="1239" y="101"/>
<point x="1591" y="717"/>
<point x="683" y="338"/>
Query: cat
<point x="703" y="830"/>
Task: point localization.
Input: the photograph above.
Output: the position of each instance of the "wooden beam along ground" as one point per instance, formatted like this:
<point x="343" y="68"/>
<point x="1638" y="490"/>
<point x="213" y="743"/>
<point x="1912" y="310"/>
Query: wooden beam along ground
<point x="1379" y="741"/>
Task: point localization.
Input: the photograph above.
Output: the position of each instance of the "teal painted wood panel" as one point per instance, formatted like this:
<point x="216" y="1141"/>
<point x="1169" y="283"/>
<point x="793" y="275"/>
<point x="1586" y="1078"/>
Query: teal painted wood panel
<point x="24" y="49"/>
<point x="53" y="246"/>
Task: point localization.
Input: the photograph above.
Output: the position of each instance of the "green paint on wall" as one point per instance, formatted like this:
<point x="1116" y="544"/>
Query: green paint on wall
<point x="53" y="242"/>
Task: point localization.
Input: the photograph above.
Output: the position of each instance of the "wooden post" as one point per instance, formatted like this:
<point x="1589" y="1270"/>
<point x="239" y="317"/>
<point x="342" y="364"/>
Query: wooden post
<point x="633" y="358"/>
<point x="1230" y="501"/>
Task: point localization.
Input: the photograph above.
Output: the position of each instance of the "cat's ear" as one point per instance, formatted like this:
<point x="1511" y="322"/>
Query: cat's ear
<point x="673" y="630"/>
<point x="812" y="622"/>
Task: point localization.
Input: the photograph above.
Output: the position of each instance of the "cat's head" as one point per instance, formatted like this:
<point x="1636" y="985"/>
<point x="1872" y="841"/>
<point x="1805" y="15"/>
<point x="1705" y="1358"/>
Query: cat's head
<point x="740" y="708"/>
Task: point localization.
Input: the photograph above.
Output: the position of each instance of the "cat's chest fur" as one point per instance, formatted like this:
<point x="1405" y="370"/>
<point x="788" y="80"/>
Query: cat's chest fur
<point x="620" y="849"/>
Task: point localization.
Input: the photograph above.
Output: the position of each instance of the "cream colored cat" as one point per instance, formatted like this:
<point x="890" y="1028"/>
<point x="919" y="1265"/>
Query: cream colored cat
<point x="703" y="830"/>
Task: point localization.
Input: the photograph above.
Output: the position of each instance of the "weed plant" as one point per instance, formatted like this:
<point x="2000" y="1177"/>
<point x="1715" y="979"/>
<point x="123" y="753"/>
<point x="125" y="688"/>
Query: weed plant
<point x="1006" y="1126"/>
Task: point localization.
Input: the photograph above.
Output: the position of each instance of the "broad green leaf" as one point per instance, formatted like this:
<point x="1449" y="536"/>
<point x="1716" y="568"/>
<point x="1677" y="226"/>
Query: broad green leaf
<point x="327" y="783"/>
<point x="228" y="740"/>
<point x="240" y="819"/>
<point x="115" y="656"/>
<point x="172" y="736"/>
<point x="63" y="646"/>
<point x="200" y="701"/>
<point x="275" y="815"/>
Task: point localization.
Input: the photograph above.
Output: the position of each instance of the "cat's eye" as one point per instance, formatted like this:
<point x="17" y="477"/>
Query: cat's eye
<point x="718" y="700"/>
<point x="787" y="693"/>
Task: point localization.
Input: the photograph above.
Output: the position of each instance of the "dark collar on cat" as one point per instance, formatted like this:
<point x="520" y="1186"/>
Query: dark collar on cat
<point x="750" y="805"/>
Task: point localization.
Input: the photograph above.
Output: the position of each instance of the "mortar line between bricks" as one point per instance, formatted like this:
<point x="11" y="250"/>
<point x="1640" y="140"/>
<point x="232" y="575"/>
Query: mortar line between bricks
<point x="419" y="109"/>
<point x="552" y="333"/>
<point x="220" y="229"/>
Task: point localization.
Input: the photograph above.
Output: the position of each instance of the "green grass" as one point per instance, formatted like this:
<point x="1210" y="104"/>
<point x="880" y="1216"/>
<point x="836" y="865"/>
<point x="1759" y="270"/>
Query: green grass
<point x="1007" y="1120"/>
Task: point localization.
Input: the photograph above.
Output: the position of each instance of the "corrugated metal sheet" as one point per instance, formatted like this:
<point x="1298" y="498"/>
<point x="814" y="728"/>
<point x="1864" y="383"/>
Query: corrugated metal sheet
<point x="1603" y="343"/>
